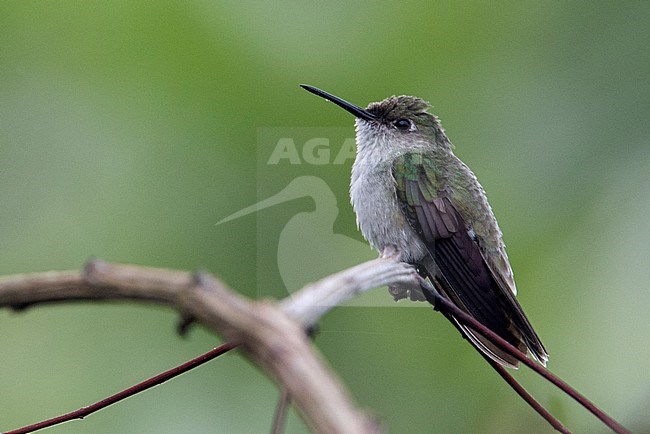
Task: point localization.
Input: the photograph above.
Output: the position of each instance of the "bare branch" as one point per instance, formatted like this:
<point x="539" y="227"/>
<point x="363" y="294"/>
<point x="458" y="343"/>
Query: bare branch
<point x="272" y="334"/>
<point x="272" y="339"/>
<point x="313" y="301"/>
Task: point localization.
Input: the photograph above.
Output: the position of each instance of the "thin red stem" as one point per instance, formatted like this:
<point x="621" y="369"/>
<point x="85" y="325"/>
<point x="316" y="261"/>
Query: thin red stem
<point x="137" y="388"/>
<point x="554" y="422"/>
<point x="441" y="303"/>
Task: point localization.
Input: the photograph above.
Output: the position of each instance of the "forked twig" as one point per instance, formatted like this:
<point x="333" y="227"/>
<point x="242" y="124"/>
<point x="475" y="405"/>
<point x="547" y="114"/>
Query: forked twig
<point x="261" y="329"/>
<point x="523" y="393"/>
<point x="442" y="304"/>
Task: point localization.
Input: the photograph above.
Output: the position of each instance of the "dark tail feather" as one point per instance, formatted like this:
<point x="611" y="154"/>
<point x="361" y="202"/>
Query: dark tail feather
<point x="478" y="341"/>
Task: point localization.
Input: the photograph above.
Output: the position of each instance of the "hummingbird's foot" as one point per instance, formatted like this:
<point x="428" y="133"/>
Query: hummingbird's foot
<point x="390" y="252"/>
<point x="184" y="325"/>
<point x="413" y="294"/>
<point x="399" y="293"/>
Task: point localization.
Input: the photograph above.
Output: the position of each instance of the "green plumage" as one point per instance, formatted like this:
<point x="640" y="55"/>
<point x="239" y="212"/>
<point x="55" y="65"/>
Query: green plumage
<point x="453" y="220"/>
<point x="413" y="195"/>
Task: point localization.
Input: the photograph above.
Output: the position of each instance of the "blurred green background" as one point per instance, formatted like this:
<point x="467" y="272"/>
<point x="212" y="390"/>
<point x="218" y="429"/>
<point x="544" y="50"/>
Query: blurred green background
<point x="128" y="129"/>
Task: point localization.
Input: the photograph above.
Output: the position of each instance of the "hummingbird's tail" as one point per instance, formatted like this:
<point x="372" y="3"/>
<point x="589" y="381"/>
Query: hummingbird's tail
<point x="500" y="321"/>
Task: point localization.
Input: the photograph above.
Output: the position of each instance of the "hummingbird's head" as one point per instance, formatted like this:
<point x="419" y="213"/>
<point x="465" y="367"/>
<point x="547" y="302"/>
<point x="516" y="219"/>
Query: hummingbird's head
<point x="396" y="121"/>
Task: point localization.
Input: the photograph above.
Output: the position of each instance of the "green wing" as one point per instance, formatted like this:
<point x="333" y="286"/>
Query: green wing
<point x="458" y="267"/>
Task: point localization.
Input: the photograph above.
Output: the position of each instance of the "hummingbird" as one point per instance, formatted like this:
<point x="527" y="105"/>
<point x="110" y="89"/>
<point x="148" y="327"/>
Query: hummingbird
<point x="416" y="201"/>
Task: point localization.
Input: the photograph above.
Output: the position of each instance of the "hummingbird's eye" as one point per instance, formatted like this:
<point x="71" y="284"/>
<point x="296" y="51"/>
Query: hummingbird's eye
<point x="403" y="124"/>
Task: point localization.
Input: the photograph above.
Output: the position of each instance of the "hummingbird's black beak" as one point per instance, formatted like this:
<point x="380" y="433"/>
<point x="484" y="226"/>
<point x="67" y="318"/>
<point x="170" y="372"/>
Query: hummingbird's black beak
<point x="355" y="110"/>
